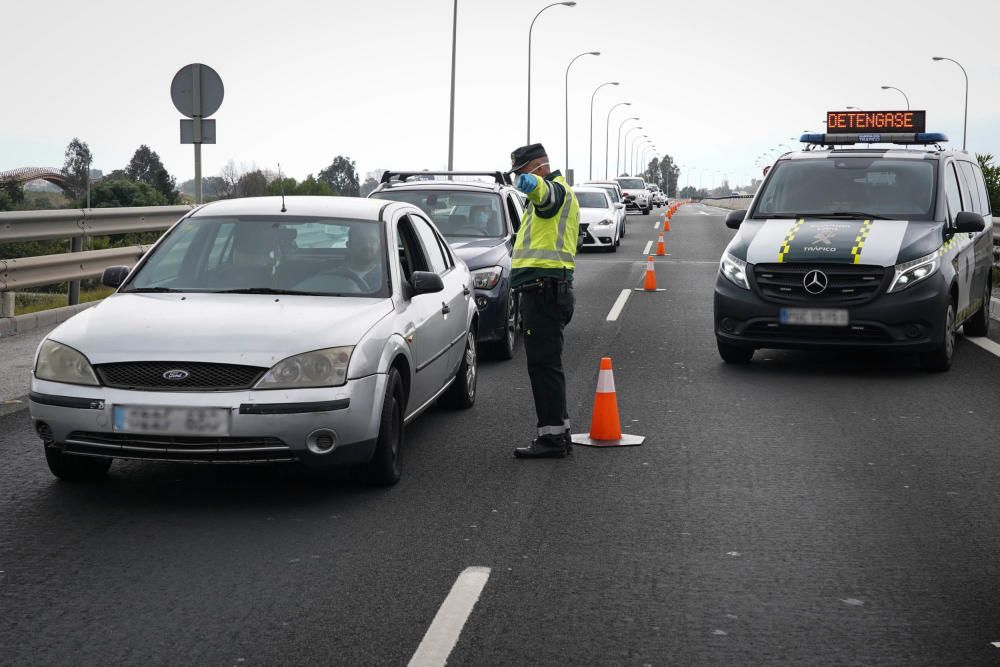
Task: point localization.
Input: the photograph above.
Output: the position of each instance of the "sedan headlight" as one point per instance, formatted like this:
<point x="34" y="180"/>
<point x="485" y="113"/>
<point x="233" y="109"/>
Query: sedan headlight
<point x="735" y="270"/>
<point x="911" y="273"/>
<point x="322" y="368"/>
<point x="486" y="278"/>
<point x="60" y="363"/>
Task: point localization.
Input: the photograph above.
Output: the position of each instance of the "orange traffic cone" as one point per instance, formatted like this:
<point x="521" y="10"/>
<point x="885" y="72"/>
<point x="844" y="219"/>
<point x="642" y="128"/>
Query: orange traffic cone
<point x="605" y="425"/>
<point x="660" y="249"/>
<point x="649" y="282"/>
<point x="666" y="225"/>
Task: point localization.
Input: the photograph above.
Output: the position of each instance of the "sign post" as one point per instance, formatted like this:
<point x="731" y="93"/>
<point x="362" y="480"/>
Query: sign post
<point x="197" y="93"/>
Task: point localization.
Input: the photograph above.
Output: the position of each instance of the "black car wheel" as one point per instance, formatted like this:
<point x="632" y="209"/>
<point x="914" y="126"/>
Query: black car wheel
<point x="979" y="323"/>
<point x="505" y="347"/>
<point x="939" y="360"/>
<point x="386" y="467"/>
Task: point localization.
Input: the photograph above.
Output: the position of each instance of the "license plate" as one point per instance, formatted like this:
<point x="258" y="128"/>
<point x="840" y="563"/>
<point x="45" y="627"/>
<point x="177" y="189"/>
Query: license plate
<point x="815" y="317"/>
<point x="171" y="421"/>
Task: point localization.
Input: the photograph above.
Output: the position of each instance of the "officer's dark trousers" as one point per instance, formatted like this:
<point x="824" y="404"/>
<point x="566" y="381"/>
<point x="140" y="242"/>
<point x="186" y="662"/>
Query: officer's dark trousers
<point x="544" y="317"/>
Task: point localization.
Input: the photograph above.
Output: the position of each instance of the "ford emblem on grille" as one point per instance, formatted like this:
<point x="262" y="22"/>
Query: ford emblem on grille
<point x="176" y="375"/>
<point x="815" y="282"/>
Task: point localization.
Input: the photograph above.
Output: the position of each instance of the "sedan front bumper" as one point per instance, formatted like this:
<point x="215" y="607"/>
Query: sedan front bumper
<point x="263" y="426"/>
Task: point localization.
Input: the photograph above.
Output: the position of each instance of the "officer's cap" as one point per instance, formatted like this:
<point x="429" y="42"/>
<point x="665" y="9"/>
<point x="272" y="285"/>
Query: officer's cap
<point x="525" y="154"/>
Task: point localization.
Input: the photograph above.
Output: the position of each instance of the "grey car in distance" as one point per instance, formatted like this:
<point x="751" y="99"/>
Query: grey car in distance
<point x="257" y="330"/>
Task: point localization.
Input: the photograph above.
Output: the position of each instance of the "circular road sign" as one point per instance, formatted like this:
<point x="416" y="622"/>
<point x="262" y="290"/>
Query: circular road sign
<point x="182" y="90"/>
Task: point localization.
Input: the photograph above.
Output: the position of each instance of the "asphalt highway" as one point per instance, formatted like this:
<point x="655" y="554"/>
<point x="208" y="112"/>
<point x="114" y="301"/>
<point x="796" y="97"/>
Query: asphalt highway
<point x="810" y="508"/>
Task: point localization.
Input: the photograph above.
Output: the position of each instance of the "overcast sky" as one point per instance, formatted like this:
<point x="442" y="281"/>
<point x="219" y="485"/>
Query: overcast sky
<point x="715" y="82"/>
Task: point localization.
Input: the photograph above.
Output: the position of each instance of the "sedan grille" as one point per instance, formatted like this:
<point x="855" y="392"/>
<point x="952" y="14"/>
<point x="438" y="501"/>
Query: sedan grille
<point x="152" y="376"/>
<point x="846" y="284"/>
<point x="180" y="449"/>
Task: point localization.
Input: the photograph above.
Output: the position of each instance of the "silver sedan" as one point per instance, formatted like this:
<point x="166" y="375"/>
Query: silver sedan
<point x="256" y="331"/>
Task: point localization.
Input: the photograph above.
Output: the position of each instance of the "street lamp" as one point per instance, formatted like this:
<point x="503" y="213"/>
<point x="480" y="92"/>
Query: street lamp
<point x="965" y="125"/>
<point x="623" y="148"/>
<point x="530" y="29"/>
<point x="585" y="53"/>
<point x="643" y="162"/>
<point x="451" y="118"/>
<point x="618" y="144"/>
<point x="630" y="150"/>
<point x="590" y="173"/>
<point x="607" y="135"/>
<point x="637" y="154"/>
<point x="901" y="93"/>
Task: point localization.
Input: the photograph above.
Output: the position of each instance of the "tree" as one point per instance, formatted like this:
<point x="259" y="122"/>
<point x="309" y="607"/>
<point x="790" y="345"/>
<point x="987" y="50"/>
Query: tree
<point x="991" y="174"/>
<point x="14" y="192"/>
<point x="112" y="193"/>
<point x="341" y="177"/>
<point x="146" y="167"/>
<point x="76" y="168"/>
<point x="311" y="186"/>
<point x="251" y="184"/>
<point x="369" y="185"/>
<point x="6" y="203"/>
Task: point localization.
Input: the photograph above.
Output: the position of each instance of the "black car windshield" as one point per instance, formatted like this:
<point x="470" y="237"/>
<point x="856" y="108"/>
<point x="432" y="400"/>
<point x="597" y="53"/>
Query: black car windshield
<point x="899" y="189"/>
<point x="457" y="214"/>
<point x="592" y="199"/>
<point x="631" y="183"/>
<point x="269" y="255"/>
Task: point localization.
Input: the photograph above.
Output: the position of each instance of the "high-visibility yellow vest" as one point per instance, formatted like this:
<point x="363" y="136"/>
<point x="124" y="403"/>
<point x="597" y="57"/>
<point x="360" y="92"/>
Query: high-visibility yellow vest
<point x="548" y="243"/>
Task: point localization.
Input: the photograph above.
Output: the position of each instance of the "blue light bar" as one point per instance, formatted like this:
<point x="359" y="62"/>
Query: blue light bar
<point x="920" y="138"/>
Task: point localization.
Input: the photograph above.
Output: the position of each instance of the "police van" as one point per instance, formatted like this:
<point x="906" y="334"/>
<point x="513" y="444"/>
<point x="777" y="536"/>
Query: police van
<point x="873" y="236"/>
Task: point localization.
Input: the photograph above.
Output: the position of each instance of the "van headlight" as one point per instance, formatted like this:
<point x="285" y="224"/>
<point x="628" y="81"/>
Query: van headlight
<point x="322" y="368"/>
<point x="60" y="363"/>
<point x="911" y="273"/>
<point x="486" y="278"/>
<point x="735" y="270"/>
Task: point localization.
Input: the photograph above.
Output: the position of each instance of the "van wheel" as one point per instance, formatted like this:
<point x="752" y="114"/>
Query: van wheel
<point x="385" y="467"/>
<point x="645" y="211"/>
<point x="734" y="354"/>
<point x="939" y="360"/>
<point x="462" y="393"/>
<point x="979" y="324"/>
<point x="73" y="468"/>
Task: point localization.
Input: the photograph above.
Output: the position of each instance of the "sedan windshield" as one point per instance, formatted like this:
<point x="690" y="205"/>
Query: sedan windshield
<point x="456" y="214"/>
<point x="876" y="187"/>
<point x="268" y="255"/>
<point x="592" y="199"/>
<point x="631" y="183"/>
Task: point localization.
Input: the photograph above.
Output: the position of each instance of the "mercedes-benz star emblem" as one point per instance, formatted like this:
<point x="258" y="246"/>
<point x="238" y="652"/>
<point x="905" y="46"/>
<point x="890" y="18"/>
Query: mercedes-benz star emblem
<point x="815" y="282"/>
<point x="176" y="375"/>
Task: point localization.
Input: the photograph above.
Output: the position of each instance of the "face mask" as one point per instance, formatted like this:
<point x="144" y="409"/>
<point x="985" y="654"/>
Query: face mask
<point x="544" y="164"/>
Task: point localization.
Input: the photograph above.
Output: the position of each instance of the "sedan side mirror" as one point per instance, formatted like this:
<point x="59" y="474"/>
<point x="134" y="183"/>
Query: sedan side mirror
<point x="735" y="219"/>
<point x="114" y="276"/>
<point x="970" y="222"/>
<point x="619" y="205"/>
<point x="426" y="282"/>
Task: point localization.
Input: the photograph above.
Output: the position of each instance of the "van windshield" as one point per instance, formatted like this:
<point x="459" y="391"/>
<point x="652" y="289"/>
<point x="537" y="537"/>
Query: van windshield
<point x="897" y="189"/>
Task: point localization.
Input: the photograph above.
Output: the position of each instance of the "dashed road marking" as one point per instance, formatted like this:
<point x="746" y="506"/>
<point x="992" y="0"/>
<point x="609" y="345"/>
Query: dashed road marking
<point x="447" y="625"/>
<point x="616" y="309"/>
<point x="987" y="344"/>
<point x="649" y="244"/>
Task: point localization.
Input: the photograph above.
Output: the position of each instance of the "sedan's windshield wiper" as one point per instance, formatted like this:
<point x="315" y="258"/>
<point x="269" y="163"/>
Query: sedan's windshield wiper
<point x="152" y="290"/>
<point x="265" y="290"/>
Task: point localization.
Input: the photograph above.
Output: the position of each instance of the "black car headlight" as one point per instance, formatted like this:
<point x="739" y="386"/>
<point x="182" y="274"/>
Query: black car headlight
<point x="487" y="278"/>
<point x="913" y="272"/>
<point x="734" y="270"/>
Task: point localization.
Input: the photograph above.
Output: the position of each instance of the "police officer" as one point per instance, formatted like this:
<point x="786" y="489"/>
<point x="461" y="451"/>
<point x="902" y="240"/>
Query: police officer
<point x="542" y="273"/>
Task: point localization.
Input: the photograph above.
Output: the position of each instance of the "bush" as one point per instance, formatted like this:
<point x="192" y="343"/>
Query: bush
<point x="991" y="173"/>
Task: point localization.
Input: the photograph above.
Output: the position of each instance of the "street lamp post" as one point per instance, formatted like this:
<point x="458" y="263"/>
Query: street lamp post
<point x="618" y="144"/>
<point x="965" y="124"/>
<point x="634" y="161"/>
<point x="623" y="148"/>
<point x="585" y="53"/>
<point x="451" y="119"/>
<point x="630" y="151"/>
<point x="901" y="93"/>
<point x="590" y="172"/>
<point x="607" y="136"/>
<point x="530" y="29"/>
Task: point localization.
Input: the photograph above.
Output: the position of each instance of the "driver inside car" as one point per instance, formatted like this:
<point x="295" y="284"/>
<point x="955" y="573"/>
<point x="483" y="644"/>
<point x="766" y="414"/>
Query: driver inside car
<point x="362" y="255"/>
<point x="483" y="220"/>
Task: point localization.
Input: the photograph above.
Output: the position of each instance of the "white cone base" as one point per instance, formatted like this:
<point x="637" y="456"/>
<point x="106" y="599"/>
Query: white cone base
<point x="628" y="440"/>
<point x="639" y="289"/>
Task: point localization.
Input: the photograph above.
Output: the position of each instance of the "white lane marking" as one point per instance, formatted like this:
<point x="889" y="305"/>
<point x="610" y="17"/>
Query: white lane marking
<point x="987" y="344"/>
<point x="616" y="309"/>
<point x="447" y="625"/>
<point x="649" y="244"/>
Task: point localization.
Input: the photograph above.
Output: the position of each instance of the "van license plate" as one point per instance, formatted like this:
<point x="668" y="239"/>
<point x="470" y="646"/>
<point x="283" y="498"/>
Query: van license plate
<point x="171" y="421"/>
<point x="815" y="317"/>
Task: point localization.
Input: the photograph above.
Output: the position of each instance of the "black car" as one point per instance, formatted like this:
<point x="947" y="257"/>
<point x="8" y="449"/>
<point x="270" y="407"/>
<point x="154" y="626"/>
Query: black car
<point x="478" y="213"/>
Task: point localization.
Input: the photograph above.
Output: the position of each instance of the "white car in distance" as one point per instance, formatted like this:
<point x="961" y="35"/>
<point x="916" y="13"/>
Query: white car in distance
<point x="597" y="209"/>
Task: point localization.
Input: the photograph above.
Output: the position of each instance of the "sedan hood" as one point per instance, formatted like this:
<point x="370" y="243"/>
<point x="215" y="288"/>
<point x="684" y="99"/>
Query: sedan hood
<point x="248" y="329"/>
<point x="873" y="242"/>
<point x="596" y="216"/>
<point x="482" y="253"/>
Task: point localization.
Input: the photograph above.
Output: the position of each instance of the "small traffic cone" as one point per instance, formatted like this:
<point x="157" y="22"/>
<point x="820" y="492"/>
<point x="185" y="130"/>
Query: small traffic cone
<point x="649" y="282"/>
<point x="666" y="225"/>
<point x="605" y="424"/>
<point x="660" y="249"/>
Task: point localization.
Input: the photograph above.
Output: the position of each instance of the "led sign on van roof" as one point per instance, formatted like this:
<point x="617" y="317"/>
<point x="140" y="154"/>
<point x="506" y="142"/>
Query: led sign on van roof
<point x="860" y="122"/>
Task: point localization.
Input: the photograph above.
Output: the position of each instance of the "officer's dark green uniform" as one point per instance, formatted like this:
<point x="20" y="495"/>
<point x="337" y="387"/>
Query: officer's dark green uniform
<point x="542" y="272"/>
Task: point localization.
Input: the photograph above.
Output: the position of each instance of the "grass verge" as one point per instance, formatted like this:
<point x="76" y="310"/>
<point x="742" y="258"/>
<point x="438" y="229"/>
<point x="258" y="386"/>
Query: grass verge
<point x="34" y="303"/>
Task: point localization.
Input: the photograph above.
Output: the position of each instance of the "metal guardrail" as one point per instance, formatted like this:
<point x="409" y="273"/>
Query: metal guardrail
<point x="75" y="224"/>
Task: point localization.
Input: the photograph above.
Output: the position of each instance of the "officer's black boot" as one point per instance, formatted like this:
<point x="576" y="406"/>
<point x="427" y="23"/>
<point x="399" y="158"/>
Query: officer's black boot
<point x="545" y="447"/>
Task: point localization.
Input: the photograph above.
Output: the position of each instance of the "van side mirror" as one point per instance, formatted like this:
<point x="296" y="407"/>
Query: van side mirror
<point x="426" y="282"/>
<point x="735" y="219"/>
<point x="970" y="222"/>
<point x="114" y="276"/>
